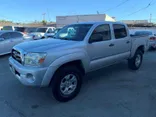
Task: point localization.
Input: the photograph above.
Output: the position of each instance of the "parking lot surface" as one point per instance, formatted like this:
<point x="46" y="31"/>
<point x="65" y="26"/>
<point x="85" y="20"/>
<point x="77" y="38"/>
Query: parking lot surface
<point x="114" y="91"/>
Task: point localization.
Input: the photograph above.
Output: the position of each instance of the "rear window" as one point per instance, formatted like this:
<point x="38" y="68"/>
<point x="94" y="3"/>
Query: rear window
<point x="119" y="31"/>
<point x="41" y="30"/>
<point x="143" y="33"/>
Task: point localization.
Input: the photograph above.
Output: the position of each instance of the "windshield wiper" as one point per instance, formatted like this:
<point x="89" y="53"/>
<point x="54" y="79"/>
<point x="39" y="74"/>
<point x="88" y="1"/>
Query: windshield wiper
<point x="64" y="38"/>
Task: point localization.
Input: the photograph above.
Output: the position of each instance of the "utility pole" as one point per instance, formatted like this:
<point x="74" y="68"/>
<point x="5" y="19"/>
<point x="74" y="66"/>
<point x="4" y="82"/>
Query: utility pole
<point x="78" y="19"/>
<point x="150" y="18"/>
<point x="48" y="15"/>
<point x="44" y="16"/>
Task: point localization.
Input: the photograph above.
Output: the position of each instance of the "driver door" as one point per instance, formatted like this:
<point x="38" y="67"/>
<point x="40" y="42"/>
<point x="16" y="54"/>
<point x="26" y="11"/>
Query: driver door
<point x="100" y="47"/>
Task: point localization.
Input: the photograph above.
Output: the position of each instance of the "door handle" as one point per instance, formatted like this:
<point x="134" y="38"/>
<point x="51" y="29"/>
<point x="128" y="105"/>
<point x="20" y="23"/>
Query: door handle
<point x="128" y="42"/>
<point x="111" y="45"/>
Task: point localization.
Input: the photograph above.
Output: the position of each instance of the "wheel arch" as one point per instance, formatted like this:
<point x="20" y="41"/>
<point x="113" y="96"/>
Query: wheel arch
<point x="141" y="48"/>
<point x="77" y="63"/>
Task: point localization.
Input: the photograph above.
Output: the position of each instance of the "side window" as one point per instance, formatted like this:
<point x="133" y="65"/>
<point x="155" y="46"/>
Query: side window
<point x="16" y="35"/>
<point x="101" y="33"/>
<point x="6" y="35"/>
<point x="49" y="30"/>
<point x="119" y="31"/>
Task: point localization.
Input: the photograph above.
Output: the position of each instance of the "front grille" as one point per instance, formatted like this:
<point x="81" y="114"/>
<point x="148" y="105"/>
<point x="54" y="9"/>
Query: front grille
<point x="16" y="55"/>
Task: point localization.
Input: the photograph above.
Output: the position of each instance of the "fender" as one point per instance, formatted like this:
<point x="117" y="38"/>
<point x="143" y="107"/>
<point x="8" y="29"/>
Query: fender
<point x="63" y="60"/>
<point x="136" y="44"/>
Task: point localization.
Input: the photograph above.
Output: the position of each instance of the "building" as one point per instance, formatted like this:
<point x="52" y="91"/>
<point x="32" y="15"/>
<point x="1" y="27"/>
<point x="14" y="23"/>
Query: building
<point x="138" y="23"/>
<point x="65" y="20"/>
<point x="135" y="21"/>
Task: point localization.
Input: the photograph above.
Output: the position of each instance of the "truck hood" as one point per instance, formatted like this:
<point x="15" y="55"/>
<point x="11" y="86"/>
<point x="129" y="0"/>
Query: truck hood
<point x="43" y="45"/>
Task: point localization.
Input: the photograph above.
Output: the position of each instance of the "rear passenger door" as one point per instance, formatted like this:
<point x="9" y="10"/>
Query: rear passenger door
<point x="121" y="41"/>
<point x="16" y="38"/>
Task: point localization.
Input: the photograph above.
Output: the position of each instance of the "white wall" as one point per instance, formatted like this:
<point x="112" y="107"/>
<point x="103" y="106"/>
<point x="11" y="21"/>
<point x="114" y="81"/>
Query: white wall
<point x="108" y="18"/>
<point x="65" y="20"/>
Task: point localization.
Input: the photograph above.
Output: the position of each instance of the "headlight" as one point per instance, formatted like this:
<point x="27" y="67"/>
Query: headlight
<point x="34" y="59"/>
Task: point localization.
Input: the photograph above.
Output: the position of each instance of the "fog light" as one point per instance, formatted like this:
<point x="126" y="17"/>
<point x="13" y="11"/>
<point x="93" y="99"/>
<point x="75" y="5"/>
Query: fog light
<point x="30" y="77"/>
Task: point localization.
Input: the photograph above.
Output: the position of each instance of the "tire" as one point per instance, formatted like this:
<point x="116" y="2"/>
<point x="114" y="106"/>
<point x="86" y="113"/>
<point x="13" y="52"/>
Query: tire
<point x="59" y="78"/>
<point x="133" y="64"/>
<point x="153" y="48"/>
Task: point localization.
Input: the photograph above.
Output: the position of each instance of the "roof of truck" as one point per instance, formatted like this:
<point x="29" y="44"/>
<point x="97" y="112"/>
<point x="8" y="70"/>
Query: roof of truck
<point x="100" y="22"/>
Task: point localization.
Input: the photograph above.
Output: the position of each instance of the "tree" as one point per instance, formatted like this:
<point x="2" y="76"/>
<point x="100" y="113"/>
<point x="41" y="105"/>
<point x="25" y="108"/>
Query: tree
<point x="44" y="22"/>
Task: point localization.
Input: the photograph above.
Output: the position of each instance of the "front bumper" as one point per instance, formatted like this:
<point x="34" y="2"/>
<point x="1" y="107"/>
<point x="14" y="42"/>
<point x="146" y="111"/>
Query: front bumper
<point x="30" y="76"/>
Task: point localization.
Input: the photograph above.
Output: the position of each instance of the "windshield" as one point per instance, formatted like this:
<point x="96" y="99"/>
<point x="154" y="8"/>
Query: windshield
<point x="30" y="30"/>
<point x="20" y="29"/>
<point x="76" y="32"/>
<point x="41" y="30"/>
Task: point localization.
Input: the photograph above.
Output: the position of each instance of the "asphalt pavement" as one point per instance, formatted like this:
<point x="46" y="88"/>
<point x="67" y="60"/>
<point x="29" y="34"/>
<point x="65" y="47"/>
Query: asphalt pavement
<point x="114" y="91"/>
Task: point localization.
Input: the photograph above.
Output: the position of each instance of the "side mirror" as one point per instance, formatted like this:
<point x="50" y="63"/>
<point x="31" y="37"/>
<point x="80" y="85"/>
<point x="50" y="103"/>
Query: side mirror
<point x="96" y="38"/>
<point x="1" y="39"/>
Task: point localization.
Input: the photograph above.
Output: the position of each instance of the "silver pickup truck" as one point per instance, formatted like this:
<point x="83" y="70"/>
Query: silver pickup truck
<point x="75" y="50"/>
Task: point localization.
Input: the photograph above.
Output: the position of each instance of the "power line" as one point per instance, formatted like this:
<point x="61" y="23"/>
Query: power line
<point x="142" y="8"/>
<point x="117" y="6"/>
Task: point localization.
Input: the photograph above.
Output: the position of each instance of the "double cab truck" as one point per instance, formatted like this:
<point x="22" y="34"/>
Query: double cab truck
<point x="75" y="50"/>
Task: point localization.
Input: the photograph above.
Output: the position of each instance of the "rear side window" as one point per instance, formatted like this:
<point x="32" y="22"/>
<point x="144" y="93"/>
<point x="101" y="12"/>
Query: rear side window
<point x="16" y="35"/>
<point x="119" y="31"/>
<point x="6" y="36"/>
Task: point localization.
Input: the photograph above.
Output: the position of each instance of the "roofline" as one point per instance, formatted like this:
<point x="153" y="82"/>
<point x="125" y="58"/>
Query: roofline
<point x="111" y="22"/>
<point x="82" y="15"/>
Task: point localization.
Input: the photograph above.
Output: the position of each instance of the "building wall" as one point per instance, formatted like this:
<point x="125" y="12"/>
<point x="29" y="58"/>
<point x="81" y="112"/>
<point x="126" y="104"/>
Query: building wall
<point x="65" y="20"/>
<point x="135" y="21"/>
<point x="108" y="18"/>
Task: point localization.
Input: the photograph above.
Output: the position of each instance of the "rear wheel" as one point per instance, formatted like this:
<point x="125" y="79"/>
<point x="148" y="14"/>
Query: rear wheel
<point x="135" y="62"/>
<point x="153" y="48"/>
<point x="66" y="83"/>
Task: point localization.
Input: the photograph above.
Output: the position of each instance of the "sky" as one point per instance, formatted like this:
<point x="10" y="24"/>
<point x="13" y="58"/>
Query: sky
<point x="31" y="10"/>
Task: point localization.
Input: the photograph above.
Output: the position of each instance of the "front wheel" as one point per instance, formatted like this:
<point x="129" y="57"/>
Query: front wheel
<point x="66" y="83"/>
<point x="135" y="62"/>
